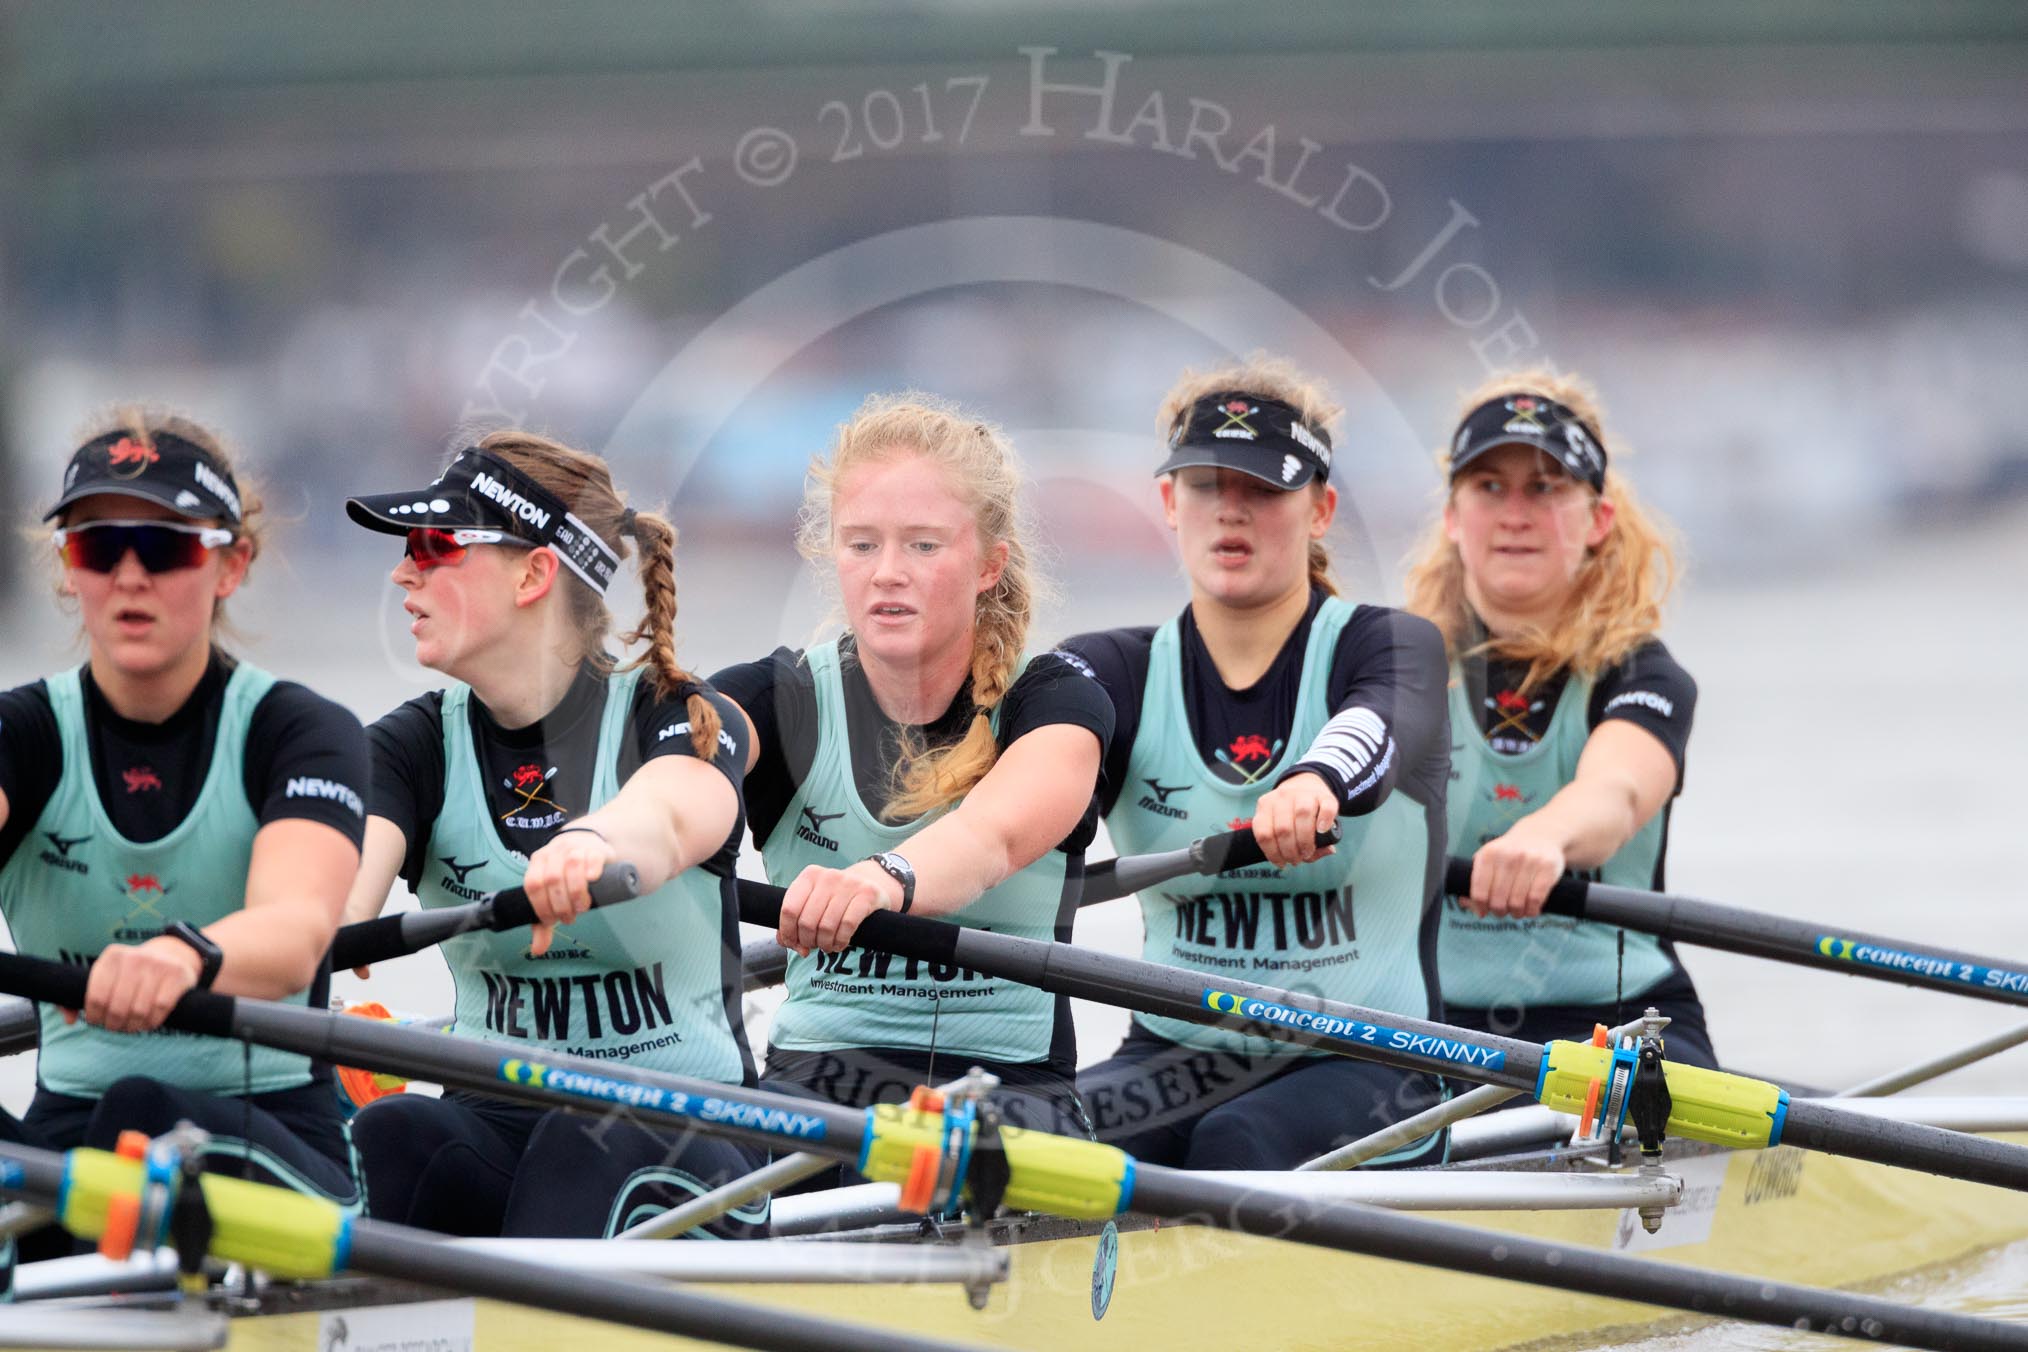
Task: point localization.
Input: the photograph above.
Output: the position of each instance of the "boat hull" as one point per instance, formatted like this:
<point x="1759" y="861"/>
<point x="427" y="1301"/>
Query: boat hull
<point x="1780" y="1214"/>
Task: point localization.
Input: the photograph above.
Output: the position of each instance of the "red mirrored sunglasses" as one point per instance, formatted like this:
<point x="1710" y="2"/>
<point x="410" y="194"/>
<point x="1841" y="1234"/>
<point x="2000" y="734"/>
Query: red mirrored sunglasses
<point x="160" y="546"/>
<point x="433" y="547"/>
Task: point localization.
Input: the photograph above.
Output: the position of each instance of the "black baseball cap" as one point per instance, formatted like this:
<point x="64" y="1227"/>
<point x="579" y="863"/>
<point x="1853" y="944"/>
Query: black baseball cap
<point x="158" y="466"/>
<point x="479" y="490"/>
<point x="1531" y="420"/>
<point x="1262" y="437"/>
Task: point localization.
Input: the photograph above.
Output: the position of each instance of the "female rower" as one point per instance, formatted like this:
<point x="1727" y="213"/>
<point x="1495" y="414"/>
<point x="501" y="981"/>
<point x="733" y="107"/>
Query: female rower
<point x="176" y="817"/>
<point x="1270" y="698"/>
<point x="1570" y="718"/>
<point x="540" y="765"/>
<point x="916" y="764"/>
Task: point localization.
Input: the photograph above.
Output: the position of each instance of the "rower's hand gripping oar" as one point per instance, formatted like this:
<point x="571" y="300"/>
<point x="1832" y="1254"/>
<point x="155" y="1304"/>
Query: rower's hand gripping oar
<point x="1111" y="878"/>
<point x="392" y="936"/>
<point x="1734" y="929"/>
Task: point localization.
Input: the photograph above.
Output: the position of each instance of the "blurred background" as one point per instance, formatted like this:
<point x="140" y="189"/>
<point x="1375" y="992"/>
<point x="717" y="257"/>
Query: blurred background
<point x="1789" y="243"/>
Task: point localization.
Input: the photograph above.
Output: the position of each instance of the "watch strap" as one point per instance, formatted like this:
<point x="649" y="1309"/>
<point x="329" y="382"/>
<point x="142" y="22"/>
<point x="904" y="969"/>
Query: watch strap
<point x="899" y="869"/>
<point x="210" y="955"/>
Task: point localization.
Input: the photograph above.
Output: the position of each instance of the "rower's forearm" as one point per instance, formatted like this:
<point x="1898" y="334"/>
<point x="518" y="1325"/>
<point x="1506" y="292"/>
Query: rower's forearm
<point x="954" y="862"/>
<point x="271" y="952"/>
<point x="648" y="834"/>
<point x="1591" y="821"/>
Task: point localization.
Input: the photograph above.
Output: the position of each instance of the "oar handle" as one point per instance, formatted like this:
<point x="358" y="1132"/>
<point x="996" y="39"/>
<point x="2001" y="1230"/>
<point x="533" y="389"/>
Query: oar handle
<point x="63" y="984"/>
<point x="392" y="936"/>
<point x="1567" y="895"/>
<point x="510" y="909"/>
<point x="1111" y="878"/>
<point x="907" y="936"/>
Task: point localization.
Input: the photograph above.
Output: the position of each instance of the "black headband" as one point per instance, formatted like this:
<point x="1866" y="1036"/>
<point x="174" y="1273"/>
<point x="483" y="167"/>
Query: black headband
<point x="158" y="466"/>
<point x="480" y="489"/>
<point x="1531" y="420"/>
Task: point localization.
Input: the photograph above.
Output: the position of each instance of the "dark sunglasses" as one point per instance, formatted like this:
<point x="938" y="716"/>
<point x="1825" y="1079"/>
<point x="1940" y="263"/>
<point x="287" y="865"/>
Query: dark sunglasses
<point x="161" y="546"/>
<point x="431" y="547"/>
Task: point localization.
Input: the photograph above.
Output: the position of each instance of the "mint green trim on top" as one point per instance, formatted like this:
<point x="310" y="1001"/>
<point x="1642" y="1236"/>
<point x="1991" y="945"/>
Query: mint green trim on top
<point x="863" y="999"/>
<point x="642" y="982"/>
<point x="1549" y="960"/>
<point x="106" y="889"/>
<point x="1346" y="927"/>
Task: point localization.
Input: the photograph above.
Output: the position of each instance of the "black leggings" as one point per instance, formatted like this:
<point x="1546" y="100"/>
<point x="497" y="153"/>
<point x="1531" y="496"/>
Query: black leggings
<point x="469" y="1165"/>
<point x="1170" y="1104"/>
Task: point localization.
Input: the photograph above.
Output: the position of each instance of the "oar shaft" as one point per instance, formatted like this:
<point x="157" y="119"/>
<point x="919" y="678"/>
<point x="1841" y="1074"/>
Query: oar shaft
<point x="539" y="1076"/>
<point x="1820" y="1125"/>
<point x="1175" y="1194"/>
<point x="1370" y="1035"/>
<point x="1215" y="1001"/>
<point x="1806" y="943"/>
<point x="536" y="1075"/>
<point x="1831" y="948"/>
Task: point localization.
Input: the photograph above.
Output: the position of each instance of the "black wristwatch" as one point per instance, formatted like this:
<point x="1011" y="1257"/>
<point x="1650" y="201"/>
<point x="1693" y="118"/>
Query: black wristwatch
<point x="211" y="953"/>
<point x="899" y="869"/>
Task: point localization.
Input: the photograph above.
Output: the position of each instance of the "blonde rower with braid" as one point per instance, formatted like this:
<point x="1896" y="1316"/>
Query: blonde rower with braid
<point x="540" y="765"/>
<point x="918" y="763"/>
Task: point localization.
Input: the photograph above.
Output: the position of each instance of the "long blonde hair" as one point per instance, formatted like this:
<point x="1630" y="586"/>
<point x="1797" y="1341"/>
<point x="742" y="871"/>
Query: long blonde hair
<point x="144" y="422"/>
<point x="584" y="483"/>
<point x="1616" y="602"/>
<point x="980" y="465"/>
<point x="1264" y="376"/>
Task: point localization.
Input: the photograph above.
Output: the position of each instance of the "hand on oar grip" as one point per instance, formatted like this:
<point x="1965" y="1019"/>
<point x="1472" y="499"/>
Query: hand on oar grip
<point x="393" y="936"/>
<point x="1566" y="897"/>
<point x="63" y="984"/>
<point x="908" y="936"/>
<point x="1110" y="878"/>
<point x="1229" y="850"/>
<point x="510" y="908"/>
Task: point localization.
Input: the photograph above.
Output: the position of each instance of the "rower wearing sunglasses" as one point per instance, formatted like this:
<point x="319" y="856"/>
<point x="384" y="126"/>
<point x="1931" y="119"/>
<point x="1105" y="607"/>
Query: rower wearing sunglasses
<point x="542" y="763"/>
<point x="177" y="818"/>
<point x="1271" y="699"/>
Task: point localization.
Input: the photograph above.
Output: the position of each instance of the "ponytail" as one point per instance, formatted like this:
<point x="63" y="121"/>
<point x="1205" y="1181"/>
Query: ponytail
<point x="657" y="539"/>
<point x="585" y="483"/>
